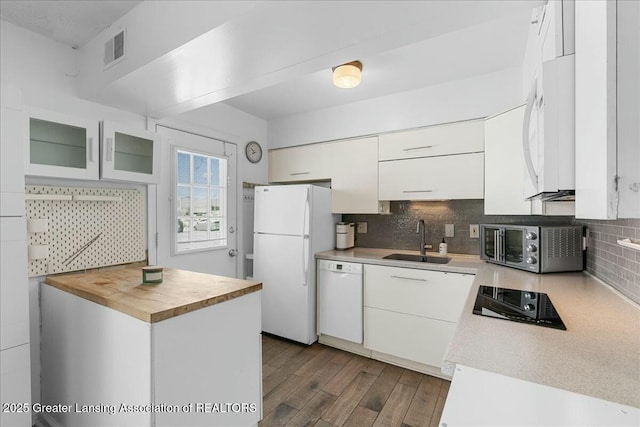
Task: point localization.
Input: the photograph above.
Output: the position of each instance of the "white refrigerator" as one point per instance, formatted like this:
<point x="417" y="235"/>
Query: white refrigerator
<point x="291" y="224"/>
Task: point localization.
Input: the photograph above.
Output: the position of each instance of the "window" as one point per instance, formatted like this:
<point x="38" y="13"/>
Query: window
<point x="200" y="201"/>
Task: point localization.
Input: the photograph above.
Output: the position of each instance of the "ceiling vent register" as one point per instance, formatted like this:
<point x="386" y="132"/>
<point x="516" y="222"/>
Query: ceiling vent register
<point x="114" y="50"/>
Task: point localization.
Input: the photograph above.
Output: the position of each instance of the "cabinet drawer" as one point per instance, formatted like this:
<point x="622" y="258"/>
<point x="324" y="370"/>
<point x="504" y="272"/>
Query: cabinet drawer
<point x="459" y="176"/>
<point x="433" y="294"/>
<point x="452" y="138"/>
<point x="302" y="163"/>
<point x="415" y="338"/>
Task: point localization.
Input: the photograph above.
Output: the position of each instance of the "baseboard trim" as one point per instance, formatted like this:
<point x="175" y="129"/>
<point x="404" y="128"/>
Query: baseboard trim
<point x="383" y="357"/>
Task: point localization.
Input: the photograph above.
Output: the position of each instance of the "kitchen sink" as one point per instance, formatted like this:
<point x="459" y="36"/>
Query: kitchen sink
<point x="419" y="258"/>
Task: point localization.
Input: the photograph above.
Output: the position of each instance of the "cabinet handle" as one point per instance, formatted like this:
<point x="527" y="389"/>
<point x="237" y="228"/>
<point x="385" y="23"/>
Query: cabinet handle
<point x="300" y="173"/>
<point x="408" y="278"/>
<point x="109" y="149"/>
<point x="90" y="149"/>
<point x="417" y="148"/>
<point x="417" y="191"/>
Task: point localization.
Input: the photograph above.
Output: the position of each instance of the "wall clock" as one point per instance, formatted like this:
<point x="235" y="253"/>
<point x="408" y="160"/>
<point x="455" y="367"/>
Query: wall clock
<point x="253" y="150"/>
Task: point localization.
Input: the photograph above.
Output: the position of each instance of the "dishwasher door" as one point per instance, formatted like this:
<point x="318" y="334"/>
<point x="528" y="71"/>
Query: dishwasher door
<point x="340" y="300"/>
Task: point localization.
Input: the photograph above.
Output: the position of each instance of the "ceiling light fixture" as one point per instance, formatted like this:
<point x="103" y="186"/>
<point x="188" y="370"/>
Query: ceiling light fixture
<point x="347" y="75"/>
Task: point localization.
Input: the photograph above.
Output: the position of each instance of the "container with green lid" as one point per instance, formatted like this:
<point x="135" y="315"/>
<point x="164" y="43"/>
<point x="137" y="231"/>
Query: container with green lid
<point x="151" y="275"/>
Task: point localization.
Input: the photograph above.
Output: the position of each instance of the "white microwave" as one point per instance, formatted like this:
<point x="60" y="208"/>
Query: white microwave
<point x="548" y="133"/>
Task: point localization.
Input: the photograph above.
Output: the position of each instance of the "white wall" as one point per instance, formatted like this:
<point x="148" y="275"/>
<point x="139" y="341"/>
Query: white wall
<point x="32" y="61"/>
<point x="465" y="99"/>
<point x="47" y="74"/>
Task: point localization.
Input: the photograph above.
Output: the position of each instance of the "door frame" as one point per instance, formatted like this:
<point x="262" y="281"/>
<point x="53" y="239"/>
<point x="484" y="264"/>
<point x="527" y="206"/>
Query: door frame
<point x="156" y="200"/>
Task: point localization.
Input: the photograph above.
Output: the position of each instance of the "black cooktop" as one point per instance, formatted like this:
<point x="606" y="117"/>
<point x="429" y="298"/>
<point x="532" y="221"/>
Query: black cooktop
<point x="518" y="306"/>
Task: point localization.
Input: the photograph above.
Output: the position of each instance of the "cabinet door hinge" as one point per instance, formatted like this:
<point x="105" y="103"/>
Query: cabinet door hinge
<point x="157" y="239"/>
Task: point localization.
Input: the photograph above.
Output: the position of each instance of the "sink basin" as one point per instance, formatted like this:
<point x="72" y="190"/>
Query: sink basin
<point x="419" y="258"/>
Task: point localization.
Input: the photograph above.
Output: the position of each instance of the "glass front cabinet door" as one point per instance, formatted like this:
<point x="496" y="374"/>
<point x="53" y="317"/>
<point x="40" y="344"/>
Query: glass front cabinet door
<point x="129" y="154"/>
<point x="61" y="146"/>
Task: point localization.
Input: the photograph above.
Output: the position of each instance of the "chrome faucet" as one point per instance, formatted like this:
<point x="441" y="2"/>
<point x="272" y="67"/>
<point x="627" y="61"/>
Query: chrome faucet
<point x="423" y="243"/>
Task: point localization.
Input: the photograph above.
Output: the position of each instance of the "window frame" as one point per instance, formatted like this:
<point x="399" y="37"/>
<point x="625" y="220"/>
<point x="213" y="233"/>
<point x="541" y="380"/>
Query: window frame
<point x="174" y="199"/>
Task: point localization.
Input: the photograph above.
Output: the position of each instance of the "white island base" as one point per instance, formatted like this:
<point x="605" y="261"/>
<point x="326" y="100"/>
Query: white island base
<point x="101" y="367"/>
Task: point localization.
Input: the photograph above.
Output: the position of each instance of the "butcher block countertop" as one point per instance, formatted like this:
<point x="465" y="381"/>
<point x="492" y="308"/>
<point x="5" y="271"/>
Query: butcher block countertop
<point x="180" y="291"/>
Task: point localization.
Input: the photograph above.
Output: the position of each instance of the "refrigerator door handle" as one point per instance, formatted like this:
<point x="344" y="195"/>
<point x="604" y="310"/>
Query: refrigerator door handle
<point x="305" y="220"/>
<point x="305" y="259"/>
<point x="305" y="240"/>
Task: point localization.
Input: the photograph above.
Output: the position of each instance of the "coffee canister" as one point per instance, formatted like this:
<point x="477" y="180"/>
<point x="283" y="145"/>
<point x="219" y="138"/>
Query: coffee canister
<point x="345" y="235"/>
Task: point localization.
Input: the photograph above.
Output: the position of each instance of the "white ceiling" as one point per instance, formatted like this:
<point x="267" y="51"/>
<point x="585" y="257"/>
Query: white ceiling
<point x="479" y="38"/>
<point x="473" y="51"/>
<point x="73" y="23"/>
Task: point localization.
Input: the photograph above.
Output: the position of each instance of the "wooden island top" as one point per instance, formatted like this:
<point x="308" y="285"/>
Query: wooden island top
<point x="180" y="292"/>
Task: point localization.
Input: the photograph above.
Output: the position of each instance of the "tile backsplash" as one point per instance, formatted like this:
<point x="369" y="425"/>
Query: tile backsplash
<point x="613" y="264"/>
<point x="398" y="230"/>
<point x="610" y="262"/>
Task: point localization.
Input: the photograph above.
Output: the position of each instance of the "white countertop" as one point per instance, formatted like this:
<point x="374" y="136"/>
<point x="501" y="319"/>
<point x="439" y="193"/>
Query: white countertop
<point x="598" y="355"/>
<point x="482" y="398"/>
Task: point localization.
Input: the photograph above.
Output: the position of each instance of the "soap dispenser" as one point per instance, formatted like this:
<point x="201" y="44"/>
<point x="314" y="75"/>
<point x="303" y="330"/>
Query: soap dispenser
<point x="443" y="247"/>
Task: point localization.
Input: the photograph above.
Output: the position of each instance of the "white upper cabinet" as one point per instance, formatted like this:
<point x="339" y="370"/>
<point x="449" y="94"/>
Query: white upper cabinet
<point x="61" y="146"/>
<point x="11" y="160"/>
<point x="354" y="176"/>
<point x="451" y="138"/>
<point x="557" y="29"/>
<point x="301" y="163"/>
<point x="504" y="164"/>
<point x="433" y="163"/>
<point x="628" y="108"/>
<point x="607" y="109"/>
<point x="459" y="176"/>
<point x="129" y="154"/>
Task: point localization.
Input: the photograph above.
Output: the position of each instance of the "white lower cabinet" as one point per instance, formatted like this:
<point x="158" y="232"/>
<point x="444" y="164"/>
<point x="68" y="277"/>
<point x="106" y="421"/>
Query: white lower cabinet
<point x="14" y="286"/>
<point x="198" y="368"/>
<point x="411" y="313"/>
<point x="416" y="338"/>
<point x="15" y="387"/>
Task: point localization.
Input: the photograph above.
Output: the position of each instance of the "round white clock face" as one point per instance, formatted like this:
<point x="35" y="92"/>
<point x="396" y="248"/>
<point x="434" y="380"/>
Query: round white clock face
<point x="253" y="150"/>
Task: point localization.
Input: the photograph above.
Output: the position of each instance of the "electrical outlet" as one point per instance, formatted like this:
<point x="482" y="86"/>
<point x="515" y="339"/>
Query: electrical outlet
<point x="474" y="232"/>
<point x="361" y="228"/>
<point x="448" y="230"/>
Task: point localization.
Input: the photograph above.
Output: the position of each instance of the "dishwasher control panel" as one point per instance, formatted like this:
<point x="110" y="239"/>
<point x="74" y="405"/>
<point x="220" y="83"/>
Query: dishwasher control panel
<point x="340" y="267"/>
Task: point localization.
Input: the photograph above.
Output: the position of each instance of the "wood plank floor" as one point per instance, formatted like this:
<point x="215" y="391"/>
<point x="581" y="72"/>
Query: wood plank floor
<point x="322" y="386"/>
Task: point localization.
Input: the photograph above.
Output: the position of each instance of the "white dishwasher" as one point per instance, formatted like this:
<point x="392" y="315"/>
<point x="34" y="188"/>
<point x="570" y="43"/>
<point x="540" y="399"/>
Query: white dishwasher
<point x="340" y="299"/>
